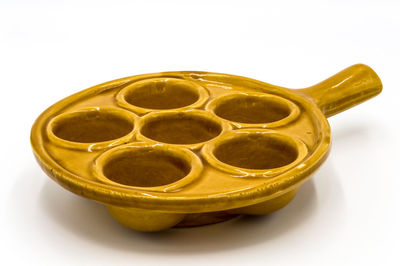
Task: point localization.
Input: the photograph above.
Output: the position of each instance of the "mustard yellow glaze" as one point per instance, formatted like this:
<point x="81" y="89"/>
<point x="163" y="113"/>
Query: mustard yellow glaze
<point x="192" y="148"/>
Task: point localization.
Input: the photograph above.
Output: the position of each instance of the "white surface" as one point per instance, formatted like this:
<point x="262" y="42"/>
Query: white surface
<point x="347" y="214"/>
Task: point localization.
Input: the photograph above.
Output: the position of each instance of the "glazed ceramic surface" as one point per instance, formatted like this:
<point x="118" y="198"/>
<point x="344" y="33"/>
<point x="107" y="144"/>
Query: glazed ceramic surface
<point x="192" y="148"/>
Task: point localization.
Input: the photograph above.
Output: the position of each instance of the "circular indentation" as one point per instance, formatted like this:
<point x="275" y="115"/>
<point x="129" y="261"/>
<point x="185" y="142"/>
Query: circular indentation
<point x="254" y="109"/>
<point x="92" y="128"/>
<point x="146" y="168"/>
<point x="161" y="94"/>
<point x="157" y="167"/>
<point x="189" y="128"/>
<point x="254" y="151"/>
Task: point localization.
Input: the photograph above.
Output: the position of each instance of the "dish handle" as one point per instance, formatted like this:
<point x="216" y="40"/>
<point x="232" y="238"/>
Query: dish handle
<point x="344" y="90"/>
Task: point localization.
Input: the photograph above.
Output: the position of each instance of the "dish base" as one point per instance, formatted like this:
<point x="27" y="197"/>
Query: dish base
<point x="199" y="219"/>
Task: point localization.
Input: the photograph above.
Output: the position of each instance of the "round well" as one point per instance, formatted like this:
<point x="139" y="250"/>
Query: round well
<point x="92" y="126"/>
<point x="146" y="168"/>
<point x="186" y="127"/>
<point x="254" y="108"/>
<point x="256" y="151"/>
<point x="155" y="167"/>
<point x="161" y="94"/>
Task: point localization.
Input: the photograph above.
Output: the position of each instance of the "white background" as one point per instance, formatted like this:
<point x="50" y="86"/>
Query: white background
<point x="347" y="214"/>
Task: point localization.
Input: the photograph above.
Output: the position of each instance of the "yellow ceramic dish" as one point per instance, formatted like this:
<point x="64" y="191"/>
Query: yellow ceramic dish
<point x="192" y="148"/>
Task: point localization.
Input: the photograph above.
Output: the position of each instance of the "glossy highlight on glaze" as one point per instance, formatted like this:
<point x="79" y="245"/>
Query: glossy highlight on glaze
<point x="181" y="149"/>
